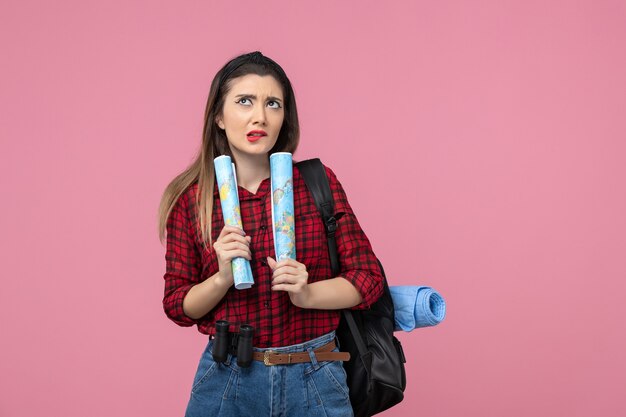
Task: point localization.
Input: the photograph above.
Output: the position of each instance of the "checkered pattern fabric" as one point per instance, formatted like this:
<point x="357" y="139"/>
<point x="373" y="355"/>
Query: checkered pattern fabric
<point x="276" y="320"/>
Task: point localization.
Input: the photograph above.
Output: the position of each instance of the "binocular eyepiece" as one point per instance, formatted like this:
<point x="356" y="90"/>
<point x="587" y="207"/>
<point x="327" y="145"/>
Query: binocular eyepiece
<point x="221" y="343"/>
<point x="238" y="343"/>
<point x="244" y="345"/>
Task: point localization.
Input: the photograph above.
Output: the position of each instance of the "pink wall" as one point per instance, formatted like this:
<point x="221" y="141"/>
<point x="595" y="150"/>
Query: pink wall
<point x="499" y="127"/>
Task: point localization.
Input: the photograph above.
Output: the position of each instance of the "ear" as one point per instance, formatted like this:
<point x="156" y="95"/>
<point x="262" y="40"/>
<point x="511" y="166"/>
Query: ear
<point x="219" y="122"/>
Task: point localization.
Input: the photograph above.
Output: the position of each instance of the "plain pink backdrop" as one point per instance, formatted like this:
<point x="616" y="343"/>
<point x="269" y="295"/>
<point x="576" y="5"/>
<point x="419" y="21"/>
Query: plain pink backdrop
<point x="498" y="127"/>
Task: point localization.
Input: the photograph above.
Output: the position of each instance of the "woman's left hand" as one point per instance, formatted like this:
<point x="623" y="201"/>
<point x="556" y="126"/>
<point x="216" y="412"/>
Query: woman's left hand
<point x="291" y="276"/>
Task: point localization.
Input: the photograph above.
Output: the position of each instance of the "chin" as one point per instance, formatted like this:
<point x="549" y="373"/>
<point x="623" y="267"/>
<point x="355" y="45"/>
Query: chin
<point x="258" y="148"/>
<point x="252" y="148"/>
<point x="260" y="151"/>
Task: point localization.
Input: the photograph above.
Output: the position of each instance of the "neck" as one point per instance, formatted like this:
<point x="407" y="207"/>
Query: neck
<point x="251" y="170"/>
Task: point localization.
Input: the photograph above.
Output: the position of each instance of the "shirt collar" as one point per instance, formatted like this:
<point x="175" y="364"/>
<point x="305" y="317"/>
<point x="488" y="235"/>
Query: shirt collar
<point x="245" y="195"/>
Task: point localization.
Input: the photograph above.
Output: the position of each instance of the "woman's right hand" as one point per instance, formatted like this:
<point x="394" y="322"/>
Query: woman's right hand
<point x="231" y="243"/>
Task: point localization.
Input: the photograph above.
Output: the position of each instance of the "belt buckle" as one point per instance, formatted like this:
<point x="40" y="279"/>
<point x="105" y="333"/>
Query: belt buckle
<point x="266" y="358"/>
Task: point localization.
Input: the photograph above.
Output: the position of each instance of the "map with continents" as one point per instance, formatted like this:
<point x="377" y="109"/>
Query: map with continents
<point x="284" y="222"/>
<point x="230" y="203"/>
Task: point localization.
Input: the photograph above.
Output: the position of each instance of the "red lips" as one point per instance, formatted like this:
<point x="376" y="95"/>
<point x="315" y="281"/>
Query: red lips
<point x="257" y="133"/>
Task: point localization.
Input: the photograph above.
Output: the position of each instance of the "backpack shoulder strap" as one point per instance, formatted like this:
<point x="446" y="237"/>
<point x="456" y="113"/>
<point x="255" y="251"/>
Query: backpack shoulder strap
<point x="315" y="178"/>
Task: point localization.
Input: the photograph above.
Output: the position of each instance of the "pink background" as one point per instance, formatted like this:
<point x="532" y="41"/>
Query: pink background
<point x="498" y="127"/>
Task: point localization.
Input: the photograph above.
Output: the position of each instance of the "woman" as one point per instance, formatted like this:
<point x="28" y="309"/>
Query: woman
<point x="294" y="304"/>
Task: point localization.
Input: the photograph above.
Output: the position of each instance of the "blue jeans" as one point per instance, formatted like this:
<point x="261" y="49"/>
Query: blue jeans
<point x="300" y="389"/>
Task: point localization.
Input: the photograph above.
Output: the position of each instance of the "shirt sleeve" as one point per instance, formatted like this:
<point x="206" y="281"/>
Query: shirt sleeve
<point x="357" y="260"/>
<point x="182" y="263"/>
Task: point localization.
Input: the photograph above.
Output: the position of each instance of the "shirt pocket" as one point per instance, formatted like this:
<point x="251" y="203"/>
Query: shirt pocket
<point x="311" y="243"/>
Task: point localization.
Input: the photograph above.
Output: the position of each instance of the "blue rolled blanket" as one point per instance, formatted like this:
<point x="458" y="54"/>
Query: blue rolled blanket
<point x="416" y="307"/>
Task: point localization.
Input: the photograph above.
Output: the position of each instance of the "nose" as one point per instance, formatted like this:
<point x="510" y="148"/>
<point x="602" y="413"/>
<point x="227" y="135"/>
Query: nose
<point x="259" y="114"/>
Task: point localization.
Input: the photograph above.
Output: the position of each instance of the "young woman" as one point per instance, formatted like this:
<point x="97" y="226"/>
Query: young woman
<point x="294" y="305"/>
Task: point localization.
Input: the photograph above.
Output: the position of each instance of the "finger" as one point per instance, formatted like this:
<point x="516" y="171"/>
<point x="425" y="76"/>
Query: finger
<point x="234" y="246"/>
<point x="287" y="279"/>
<point x="287" y="288"/>
<point x="289" y="262"/>
<point x="282" y="287"/>
<point x="222" y="248"/>
<point x="231" y="229"/>
<point x="271" y="262"/>
<point x="289" y="270"/>
<point x="230" y="255"/>
<point x="298" y="281"/>
<point x="235" y="237"/>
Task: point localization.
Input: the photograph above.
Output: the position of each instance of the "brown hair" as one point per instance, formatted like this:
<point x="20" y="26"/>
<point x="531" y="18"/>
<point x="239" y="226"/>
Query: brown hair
<point x="215" y="143"/>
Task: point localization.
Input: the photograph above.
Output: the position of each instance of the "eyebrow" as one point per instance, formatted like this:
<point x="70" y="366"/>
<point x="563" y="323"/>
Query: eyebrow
<point x="254" y="97"/>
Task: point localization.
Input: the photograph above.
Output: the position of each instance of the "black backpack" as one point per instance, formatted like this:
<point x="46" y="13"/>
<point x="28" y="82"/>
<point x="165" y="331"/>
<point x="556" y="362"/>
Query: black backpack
<point x="376" y="375"/>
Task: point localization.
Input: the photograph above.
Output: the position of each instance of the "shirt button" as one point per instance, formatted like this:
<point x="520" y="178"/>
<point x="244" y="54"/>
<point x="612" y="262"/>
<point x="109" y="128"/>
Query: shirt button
<point x="263" y="262"/>
<point x="263" y="227"/>
<point x="266" y="304"/>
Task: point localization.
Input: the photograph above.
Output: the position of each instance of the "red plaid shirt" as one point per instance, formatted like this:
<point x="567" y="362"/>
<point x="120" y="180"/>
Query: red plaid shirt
<point x="277" y="322"/>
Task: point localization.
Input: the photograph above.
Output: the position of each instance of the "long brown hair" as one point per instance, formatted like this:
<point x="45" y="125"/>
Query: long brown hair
<point x="215" y="143"/>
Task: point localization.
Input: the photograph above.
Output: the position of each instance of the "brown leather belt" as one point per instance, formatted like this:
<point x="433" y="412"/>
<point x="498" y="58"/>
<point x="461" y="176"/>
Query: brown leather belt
<point x="323" y="353"/>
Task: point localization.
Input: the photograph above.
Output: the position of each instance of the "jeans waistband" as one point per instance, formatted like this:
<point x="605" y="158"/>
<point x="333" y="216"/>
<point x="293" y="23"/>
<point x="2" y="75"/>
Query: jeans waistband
<point x="302" y="347"/>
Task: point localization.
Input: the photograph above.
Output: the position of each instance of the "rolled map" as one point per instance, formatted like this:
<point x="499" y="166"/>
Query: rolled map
<point x="229" y="198"/>
<point x="283" y="221"/>
<point x="416" y="307"/>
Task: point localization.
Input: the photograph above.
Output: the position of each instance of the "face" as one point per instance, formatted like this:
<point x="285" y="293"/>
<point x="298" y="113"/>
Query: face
<point x="252" y="115"/>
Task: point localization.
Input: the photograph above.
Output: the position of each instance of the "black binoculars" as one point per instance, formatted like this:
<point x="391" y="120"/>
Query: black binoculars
<point x="236" y="343"/>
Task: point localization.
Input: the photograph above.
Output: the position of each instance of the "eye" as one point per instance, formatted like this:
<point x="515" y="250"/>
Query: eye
<point x="276" y="104"/>
<point x="241" y="100"/>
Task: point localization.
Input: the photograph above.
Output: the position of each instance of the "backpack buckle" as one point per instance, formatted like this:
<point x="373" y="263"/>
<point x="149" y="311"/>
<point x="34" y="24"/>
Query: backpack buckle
<point x="331" y="224"/>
